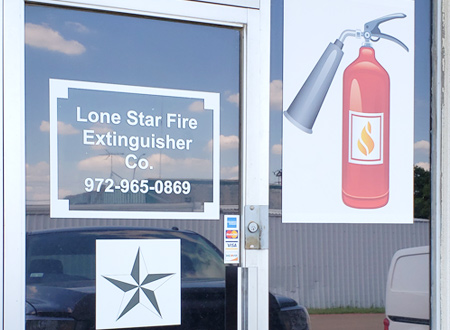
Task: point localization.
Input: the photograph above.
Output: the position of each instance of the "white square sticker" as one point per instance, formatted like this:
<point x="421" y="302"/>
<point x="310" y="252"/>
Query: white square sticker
<point x="366" y="138"/>
<point x="138" y="283"/>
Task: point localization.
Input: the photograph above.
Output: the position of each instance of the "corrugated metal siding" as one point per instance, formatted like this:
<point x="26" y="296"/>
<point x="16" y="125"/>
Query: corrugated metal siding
<point x="38" y="219"/>
<point x="319" y="265"/>
<point x="337" y="265"/>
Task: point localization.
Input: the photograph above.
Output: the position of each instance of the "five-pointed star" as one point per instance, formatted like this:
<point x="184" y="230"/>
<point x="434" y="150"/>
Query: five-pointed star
<point x="138" y="286"/>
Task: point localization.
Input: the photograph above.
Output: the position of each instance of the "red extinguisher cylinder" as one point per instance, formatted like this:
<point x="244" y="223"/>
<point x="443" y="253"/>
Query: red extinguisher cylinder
<point x="365" y="135"/>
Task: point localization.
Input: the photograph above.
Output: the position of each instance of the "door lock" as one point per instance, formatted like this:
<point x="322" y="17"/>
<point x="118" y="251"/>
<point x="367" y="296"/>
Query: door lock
<point x="253" y="227"/>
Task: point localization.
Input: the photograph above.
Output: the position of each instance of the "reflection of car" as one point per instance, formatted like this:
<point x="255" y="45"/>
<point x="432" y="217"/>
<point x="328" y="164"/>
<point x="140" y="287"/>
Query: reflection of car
<point x="407" y="290"/>
<point x="61" y="281"/>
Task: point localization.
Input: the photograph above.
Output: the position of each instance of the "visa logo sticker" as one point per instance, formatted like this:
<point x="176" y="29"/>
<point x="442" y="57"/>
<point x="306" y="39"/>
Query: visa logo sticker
<point x="232" y="245"/>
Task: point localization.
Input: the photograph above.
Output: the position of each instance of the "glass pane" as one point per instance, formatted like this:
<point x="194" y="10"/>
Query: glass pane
<point x="132" y="134"/>
<point x="340" y="272"/>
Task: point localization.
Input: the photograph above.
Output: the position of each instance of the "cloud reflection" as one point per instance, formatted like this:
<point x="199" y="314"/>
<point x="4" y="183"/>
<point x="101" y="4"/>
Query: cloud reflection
<point x="42" y="36"/>
<point x="63" y="128"/>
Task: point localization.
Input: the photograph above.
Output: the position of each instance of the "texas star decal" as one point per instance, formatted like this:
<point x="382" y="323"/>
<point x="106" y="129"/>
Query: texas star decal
<point x="143" y="293"/>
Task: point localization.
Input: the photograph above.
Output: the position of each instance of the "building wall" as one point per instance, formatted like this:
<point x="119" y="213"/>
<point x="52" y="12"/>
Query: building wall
<point x="337" y="265"/>
<point x="319" y="265"/>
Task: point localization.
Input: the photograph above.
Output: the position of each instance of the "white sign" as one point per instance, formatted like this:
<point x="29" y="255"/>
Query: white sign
<point x="231" y="239"/>
<point x="138" y="283"/>
<point x="112" y="144"/>
<point x="348" y="95"/>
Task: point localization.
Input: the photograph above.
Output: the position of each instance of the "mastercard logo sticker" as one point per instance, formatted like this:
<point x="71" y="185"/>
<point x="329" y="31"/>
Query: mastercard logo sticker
<point x="231" y="234"/>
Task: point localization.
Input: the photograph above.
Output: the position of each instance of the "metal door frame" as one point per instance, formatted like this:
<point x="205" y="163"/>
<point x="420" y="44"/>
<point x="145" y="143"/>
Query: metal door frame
<point x="255" y="91"/>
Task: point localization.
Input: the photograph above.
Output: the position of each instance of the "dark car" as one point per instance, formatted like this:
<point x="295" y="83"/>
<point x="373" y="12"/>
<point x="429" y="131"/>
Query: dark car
<point x="61" y="281"/>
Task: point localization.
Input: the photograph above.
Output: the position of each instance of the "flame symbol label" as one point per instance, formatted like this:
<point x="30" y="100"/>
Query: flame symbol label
<point x="365" y="142"/>
<point x="365" y="138"/>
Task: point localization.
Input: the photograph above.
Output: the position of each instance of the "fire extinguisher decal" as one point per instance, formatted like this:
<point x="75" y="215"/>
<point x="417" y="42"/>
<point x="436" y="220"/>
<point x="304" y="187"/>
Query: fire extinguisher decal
<point x="365" y="114"/>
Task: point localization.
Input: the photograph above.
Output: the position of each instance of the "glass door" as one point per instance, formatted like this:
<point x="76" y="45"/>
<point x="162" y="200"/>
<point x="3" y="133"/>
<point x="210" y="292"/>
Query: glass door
<point x="132" y="163"/>
<point x="138" y="132"/>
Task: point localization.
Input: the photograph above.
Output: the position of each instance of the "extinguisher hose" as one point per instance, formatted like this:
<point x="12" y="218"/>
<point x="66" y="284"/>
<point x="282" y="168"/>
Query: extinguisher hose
<point x="350" y="33"/>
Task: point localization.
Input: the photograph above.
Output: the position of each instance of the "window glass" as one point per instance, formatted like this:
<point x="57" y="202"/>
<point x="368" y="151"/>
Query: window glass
<point x="69" y="256"/>
<point x="339" y="271"/>
<point x="132" y="134"/>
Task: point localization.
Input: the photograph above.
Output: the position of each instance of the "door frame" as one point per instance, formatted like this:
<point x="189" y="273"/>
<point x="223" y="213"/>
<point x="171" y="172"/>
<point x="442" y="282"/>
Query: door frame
<point x="255" y="81"/>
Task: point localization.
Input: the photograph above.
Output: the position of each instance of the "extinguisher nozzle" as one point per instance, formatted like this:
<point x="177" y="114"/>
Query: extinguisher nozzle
<point x="306" y="105"/>
<point x="297" y="124"/>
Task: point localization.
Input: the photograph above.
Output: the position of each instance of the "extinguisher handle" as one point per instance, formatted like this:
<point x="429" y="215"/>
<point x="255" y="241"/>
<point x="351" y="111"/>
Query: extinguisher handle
<point x="388" y="37"/>
<point x="372" y="29"/>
